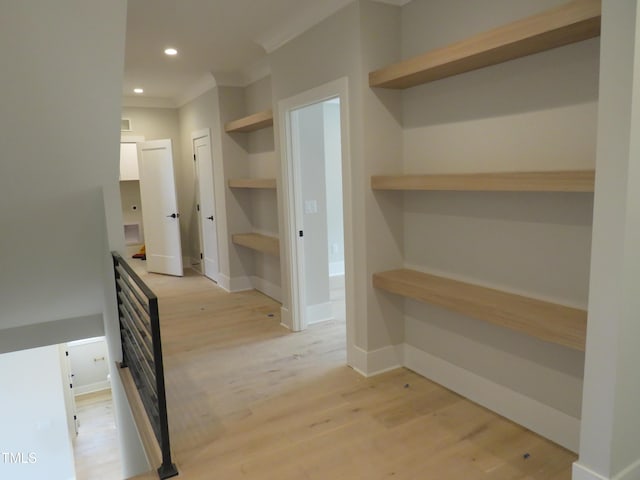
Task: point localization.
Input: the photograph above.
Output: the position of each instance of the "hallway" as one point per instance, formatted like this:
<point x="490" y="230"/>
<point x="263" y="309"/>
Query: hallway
<point x="249" y="399"/>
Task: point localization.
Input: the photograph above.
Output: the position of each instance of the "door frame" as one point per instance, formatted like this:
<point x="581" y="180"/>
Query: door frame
<point x="292" y="208"/>
<point x="205" y="132"/>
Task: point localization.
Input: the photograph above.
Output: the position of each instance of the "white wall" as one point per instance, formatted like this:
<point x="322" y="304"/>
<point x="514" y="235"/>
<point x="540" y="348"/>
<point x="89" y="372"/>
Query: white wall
<point x="34" y="429"/>
<point x="89" y="361"/>
<point x="60" y="123"/>
<point x="324" y="53"/>
<point x="534" y="113"/>
<point x="610" y="422"/>
<point x="60" y="143"/>
<point x="308" y="139"/>
<point x="263" y="203"/>
<point x="333" y="187"/>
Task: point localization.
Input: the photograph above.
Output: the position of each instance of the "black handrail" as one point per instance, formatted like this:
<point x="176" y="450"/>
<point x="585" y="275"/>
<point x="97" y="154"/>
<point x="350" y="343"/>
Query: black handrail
<point x="142" y="352"/>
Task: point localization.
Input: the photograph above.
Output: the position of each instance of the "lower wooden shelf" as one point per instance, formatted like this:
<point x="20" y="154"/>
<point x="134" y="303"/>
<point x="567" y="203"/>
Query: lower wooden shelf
<point x="258" y="242"/>
<point x="551" y="322"/>
<point x="558" y="181"/>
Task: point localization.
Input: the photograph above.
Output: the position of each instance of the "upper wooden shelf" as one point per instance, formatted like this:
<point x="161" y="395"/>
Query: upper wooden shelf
<point x="258" y="242"/>
<point x="252" y="122"/>
<point x="266" y="183"/>
<point x="551" y="322"/>
<point x="560" y="181"/>
<point x="576" y="21"/>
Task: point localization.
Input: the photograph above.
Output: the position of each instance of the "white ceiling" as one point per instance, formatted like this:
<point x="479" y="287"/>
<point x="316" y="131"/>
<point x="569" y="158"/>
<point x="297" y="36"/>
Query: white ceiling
<point x="219" y="41"/>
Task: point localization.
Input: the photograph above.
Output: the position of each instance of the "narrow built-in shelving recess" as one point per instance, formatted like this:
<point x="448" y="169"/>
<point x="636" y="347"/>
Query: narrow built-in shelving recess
<point x="541" y="319"/>
<point x="258" y="242"/>
<point x="250" y="123"/>
<point x="559" y="181"/>
<point x="573" y="22"/>
<point x="263" y="183"/>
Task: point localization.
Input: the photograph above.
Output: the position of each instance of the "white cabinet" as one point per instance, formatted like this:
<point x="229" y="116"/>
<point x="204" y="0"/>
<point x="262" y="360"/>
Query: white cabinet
<point x="129" y="162"/>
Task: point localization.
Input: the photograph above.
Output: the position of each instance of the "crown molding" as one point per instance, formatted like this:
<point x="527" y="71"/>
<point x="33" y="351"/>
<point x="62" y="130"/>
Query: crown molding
<point x="147" y="102"/>
<point x="296" y="25"/>
<point x="206" y="83"/>
<point x="397" y="3"/>
<point x="257" y="70"/>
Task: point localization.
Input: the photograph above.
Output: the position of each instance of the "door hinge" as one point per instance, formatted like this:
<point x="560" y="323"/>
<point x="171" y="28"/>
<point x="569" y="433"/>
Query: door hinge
<point x="75" y="417"/>
<point x="201" y="257"/>
<point x="194" y="157"/>
<point x="197" y="206"/>
<point x="71" y="385"/>
<point x="66" y="354"/>
<point x="300" y="233"/>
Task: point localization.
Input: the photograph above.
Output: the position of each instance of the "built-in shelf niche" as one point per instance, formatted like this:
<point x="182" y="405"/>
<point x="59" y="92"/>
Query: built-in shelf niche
<point x="258" y="242"/>
<point x="573" y="22"/>
<point x="250" y="123"/>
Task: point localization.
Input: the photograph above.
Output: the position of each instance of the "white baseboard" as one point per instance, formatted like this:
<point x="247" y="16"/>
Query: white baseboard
<point x="319" y="312"/>
<point x="336" y="269"/>
<point x="268" y="288"/>
<point x="538" y="417"/>
<point x="196" y="264"/>
<point x="285" y="318"/>
<point x="91" y="387"/>
<point x="377" y="361"/>
<point x="580" y="472"/>
<point x="235" y="284"/>
<point x="632" y="472"/>
<point x="224" y="282"/>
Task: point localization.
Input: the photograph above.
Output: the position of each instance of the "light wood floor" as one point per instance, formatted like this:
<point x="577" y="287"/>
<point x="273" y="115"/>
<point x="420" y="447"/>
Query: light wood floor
<point x="249" y="400"/>
<point x="96" y="446"/>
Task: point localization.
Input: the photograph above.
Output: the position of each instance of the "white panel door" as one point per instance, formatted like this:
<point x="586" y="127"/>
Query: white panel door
<point x="207" y="213"/>
<point x="160" y="215"/>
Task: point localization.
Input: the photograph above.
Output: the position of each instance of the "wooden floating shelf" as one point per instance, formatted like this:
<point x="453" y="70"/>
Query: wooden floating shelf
<point x="551" y="322"/>
<point x="266" y="183"/>
<point x="258" y="242"/>
<point x="560" y="181"/>
<point x="576" y="21"/>
<point x="253" y="122"/>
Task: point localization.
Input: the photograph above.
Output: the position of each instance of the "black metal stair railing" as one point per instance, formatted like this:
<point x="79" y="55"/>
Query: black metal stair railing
<point x="142" y="352"/>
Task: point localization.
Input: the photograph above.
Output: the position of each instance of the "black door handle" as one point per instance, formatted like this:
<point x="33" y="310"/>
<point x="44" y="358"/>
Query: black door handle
<point x="210" y="218"/>
<point x="174" y="215"/>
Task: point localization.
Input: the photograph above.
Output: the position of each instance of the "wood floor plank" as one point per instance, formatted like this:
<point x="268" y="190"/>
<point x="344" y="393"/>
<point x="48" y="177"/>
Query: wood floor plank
<point x="247" y="399"/>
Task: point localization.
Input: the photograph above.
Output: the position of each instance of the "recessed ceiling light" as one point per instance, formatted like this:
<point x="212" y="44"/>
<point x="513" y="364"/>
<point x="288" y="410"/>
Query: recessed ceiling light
<point x="138" y="90"/>
<point x="171" y="51"/>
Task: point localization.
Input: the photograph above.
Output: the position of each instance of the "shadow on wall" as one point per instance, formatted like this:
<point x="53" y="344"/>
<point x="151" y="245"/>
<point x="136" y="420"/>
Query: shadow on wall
<point x="556" y="78"/>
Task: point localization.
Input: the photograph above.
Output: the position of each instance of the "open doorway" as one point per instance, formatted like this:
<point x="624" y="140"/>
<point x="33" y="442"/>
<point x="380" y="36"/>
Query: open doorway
<point x="316" y="173"/>
<point x="317" y="163"/>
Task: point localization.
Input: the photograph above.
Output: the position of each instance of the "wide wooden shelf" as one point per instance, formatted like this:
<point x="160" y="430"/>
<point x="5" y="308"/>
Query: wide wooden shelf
<point x="250" y="123"/>
<point x="559" y="181"/>
<point x="548" y="321"/>
<point x="573" y="22"/>
<point x="266" y="183"/>
<point x="258" y="242"/>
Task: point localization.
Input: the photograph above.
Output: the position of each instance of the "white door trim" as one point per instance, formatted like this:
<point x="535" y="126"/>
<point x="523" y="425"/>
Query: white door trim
<point x="293" y="248"/>
<point x="198" y="134"/>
